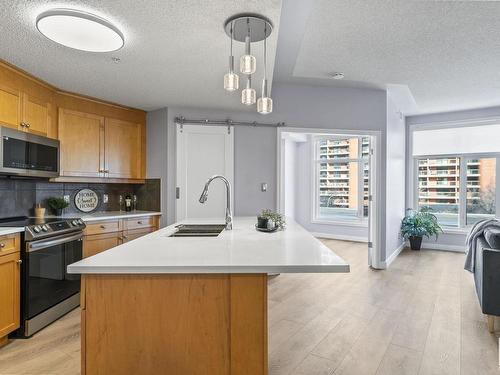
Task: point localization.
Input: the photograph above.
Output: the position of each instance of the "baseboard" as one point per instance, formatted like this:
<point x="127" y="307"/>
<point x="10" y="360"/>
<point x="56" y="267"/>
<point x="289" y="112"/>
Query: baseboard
<point x="394" y="255"/>
<point x="438" y="246"/>
<point x="339" y="237"/>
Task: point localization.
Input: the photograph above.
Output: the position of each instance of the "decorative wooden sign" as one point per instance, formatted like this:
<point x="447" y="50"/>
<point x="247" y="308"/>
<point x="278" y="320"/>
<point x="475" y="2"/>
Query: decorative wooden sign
<point x="86" y="200"/>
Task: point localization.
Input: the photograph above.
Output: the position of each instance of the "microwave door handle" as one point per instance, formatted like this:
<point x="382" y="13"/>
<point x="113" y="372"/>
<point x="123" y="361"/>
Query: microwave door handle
<point x="39" y="245"/>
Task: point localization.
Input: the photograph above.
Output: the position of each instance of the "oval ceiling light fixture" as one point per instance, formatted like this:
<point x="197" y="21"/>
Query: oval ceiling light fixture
<point x="80" y="30"/>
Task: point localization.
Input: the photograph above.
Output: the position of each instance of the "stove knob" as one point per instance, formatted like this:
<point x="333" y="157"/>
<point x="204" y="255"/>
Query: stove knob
<point x="36" y="228"/>
<point x="74" y="223"/>
<point x="80" y="221"/>
<point x="45" y="228"/>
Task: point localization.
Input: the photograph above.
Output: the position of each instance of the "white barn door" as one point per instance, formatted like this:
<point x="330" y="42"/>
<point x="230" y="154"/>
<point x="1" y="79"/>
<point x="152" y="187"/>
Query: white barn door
<point x="203" y="151"/>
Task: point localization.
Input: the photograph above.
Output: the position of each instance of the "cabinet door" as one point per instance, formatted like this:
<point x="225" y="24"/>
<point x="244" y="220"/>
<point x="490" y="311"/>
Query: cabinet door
<point x="10" y="107"/>
<point x="82" y="149"/>
<point x="123" y="149"/>
<point x="136" y="233"/>
<point x="9" y="293"/>
<point x="95" y="244"/>
<point x="36" y="115"/>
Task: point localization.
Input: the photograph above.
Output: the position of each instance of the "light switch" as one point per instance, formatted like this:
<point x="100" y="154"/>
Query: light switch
<point x="263" y="187"/>
<point x="105" y="198"/>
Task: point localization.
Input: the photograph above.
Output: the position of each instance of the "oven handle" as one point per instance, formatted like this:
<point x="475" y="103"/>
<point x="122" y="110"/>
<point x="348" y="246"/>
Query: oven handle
<point x="38" y="245"/>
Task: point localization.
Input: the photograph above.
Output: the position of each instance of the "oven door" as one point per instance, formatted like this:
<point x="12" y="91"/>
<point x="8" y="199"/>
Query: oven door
<point x="45" y="278"/>
<point x="27" y="154"/>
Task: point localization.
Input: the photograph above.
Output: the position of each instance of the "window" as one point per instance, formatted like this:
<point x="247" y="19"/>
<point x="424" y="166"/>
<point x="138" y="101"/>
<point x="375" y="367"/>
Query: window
<point x="341" y="165"/>
<point x="457" y="170"/>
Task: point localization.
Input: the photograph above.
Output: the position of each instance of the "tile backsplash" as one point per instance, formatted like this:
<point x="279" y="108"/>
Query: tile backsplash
<point x="18" y="197"/>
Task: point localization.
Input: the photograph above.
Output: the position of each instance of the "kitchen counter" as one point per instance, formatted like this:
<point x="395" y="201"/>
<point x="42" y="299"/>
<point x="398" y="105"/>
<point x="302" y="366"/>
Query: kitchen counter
<point x="110" y="215"/>
<point x="7" y="230"/>
<point x="241" y="250"/>
<point x="194" y="305"/>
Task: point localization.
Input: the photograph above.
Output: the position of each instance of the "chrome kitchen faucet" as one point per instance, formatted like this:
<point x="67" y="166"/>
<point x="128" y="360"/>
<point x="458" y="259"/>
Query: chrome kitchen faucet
<point x="204" y="197"/>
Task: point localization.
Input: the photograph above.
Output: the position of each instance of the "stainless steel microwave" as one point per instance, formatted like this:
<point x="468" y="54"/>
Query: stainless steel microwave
<point x="24" y="154"/>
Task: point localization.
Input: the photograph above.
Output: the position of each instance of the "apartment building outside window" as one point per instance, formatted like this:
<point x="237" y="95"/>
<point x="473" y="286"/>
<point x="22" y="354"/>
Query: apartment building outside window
<point x="342" y="186"/>
<point x="460" y="186"/>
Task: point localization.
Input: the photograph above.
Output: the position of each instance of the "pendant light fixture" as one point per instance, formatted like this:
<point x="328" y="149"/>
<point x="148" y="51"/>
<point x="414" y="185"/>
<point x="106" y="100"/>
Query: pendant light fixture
<point x="249" y="28"/>
<point x="248" y="94"/>
<point x="231" y="79"/>
<point x="265" y="103"/>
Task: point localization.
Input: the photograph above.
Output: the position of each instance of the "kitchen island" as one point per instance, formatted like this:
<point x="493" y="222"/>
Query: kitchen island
<point x="189" y="305"/>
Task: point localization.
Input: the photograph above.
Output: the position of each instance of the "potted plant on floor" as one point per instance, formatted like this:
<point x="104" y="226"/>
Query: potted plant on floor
<point x="57" y="204"/>
<point x="417" y="224"/>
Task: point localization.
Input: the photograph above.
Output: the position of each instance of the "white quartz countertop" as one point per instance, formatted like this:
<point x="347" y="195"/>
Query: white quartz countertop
<point x="7" y="230"/>
<point x="110" y="215"/>
<point x="241" y="250"/>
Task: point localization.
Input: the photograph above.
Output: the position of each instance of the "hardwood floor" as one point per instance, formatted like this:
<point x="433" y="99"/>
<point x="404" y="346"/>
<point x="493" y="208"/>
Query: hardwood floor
<point x="421" y="316"/>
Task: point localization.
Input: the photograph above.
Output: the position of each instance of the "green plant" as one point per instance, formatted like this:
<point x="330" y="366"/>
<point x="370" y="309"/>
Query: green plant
<point x="278" y="219"/>
<point x="57" y="203"/>
<point x="420" y="223"/>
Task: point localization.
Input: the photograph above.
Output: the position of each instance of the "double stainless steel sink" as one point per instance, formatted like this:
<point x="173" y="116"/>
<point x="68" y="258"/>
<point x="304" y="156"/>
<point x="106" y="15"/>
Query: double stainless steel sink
<point x="198" y="230"/>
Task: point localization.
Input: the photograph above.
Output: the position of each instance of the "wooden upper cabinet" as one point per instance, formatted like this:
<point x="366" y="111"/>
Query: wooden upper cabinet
<point x="10" y="107"/>
<point x="36" y="115"/>
<point x="123" y="149"/>
<point x="82" y="148"/>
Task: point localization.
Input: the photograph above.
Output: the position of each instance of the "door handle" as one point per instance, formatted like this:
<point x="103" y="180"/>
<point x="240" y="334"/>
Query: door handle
<point x="19" y="261"/>
<point x="177" y="193"/>
<point x="2" y="245"/>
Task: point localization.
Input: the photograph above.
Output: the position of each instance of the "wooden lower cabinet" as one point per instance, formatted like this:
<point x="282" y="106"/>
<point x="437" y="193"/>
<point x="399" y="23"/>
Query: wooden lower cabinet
<point x="10" y="271"/>
<point x="97" y="243"/>
<point x="190" y="324"/>
<point x="104" y="235"/>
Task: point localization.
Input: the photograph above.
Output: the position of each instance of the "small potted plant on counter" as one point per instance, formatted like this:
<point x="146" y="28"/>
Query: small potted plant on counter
<point x="57" y="204"/>
<point x="270" y="221"/>
<point x="417" y="224"/>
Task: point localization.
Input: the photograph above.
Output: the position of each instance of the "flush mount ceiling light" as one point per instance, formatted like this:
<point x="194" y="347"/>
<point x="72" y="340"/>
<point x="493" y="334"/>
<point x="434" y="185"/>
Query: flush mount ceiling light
<point x="80" y="30"/>
<point x="248" y="28"/>
<point x="337" y="75"/>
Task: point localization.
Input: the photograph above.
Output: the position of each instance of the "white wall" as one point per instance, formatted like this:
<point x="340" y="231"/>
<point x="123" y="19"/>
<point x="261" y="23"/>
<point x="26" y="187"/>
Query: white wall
<point x="395" y="177"/>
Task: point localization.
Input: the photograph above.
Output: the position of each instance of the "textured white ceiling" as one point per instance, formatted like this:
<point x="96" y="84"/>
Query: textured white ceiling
<point x="176" y="52"/>
<point x="446" y="52"/>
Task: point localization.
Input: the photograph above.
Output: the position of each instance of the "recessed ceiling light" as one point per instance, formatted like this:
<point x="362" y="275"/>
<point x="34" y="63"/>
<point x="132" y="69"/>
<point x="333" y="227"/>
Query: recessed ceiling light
<point x="337" y="75"/>
<point x="80" y="30"/>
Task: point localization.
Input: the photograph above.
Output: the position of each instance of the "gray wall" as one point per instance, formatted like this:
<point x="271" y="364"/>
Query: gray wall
<point x="255" y="148"/>
<point x="156" y="166"/>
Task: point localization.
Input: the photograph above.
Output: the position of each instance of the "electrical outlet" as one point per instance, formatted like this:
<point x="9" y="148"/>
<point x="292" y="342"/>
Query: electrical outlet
<point x="105" y="198"/>
<point x="66" y="198"/>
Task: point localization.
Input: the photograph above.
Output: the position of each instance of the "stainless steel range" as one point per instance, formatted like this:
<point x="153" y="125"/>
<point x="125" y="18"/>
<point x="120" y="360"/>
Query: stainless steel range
<point x="48" y="246"/>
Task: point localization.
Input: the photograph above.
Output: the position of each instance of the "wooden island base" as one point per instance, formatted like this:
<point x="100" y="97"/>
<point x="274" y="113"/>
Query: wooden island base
<point x="192" y="324"/>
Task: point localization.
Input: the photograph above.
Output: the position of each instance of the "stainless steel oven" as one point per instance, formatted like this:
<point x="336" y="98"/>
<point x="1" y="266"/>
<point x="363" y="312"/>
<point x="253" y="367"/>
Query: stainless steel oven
<point x="25" y="154"/>
<point x="48" y="290"/>
<point x="48" y="246"/>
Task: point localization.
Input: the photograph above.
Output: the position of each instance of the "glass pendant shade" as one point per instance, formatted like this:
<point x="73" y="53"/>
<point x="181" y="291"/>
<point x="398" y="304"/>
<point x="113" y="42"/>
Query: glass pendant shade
<point x="248" y="96"/>
<point x="264" y="105"/>
<point x="231" y="82"/>
<point x="248" y="64"/>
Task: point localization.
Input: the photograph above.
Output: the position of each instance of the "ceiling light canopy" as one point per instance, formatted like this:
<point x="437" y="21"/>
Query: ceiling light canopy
<point x="249" y="28"/>
<point x="80" y="30"/>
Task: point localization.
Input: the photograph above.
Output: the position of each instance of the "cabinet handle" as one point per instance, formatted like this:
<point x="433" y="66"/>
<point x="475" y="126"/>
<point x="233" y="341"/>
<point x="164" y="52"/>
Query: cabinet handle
<point x="22" y="124"/>
<point x="139" y="222"/>
<point x="19" y="261"/>
<point x="124" y="237"/>
<point x="106" y="171"/>
<point x="2" y="245"/>
<point x="27" y="125"/>
<point x="101" y="170"/>
<point x="103" y="227"/>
